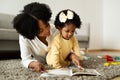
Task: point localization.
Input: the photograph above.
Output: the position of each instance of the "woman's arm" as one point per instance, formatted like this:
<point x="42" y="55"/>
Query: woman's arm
<point x="26" y="56"/>
<point x="26" y="53"/>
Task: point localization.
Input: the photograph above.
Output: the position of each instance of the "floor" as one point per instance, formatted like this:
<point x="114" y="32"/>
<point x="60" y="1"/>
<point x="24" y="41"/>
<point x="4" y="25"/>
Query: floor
<point x="91" y="53"/>
<point x="102" y="53"/>
<point x="117" y="78"/>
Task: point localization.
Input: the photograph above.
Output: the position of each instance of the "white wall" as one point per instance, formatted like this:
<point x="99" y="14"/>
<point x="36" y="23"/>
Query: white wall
<point x="89" y="10"/>
<point x="111" y="27"/>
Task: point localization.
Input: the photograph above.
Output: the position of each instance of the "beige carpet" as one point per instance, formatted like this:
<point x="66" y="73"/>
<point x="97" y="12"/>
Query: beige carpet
<point x="13" y="70"/>
<point x="116" y="78"/>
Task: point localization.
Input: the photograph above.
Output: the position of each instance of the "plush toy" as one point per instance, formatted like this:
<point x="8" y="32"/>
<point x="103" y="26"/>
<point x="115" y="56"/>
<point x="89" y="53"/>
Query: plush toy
<point x="108" y="58"/>
<point x="111" y="63"/>
<point x="111" y="60"/>
<point x="117" y="58"/>
<point x="106" y="64"/>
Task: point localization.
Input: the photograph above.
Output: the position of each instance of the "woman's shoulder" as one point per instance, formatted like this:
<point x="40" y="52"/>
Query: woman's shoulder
<point x="24" y="39"/>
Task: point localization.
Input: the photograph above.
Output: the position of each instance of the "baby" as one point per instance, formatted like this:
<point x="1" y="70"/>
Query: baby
<point x="64" y="44"/>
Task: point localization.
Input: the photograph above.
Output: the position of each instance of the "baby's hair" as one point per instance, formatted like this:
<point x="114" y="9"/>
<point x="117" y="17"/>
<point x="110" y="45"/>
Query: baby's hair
<point x="26" y="23"/>
<point x="67" y="17"/>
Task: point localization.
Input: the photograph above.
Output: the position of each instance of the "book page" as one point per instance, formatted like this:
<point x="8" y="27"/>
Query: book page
<point x="56" y="72"/>
<point x="85" y="72"/>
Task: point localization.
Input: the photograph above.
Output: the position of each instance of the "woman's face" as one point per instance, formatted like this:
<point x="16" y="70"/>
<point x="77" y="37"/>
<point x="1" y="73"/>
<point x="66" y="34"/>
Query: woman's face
<point x="67" y="31"/>
<point x="44" y="29"/>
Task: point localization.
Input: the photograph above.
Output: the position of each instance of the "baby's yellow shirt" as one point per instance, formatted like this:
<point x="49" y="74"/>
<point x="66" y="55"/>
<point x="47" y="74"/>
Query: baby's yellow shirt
<point x="59" y="49"/>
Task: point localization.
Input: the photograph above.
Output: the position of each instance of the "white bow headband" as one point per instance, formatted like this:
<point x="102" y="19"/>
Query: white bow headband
<point x="63" y="17"/>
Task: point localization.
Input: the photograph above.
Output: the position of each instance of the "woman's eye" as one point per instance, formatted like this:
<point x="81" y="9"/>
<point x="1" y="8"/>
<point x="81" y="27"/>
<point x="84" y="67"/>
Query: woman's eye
<point x="47" y="25"/>
<point x="66" y="31"/>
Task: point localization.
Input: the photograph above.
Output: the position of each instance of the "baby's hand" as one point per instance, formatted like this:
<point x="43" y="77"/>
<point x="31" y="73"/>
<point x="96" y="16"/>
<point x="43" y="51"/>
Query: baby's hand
<point x="81" y="68"/>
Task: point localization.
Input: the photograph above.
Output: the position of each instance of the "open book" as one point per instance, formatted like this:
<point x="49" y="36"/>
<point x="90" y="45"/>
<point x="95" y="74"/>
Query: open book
<point x="70" y="72"/>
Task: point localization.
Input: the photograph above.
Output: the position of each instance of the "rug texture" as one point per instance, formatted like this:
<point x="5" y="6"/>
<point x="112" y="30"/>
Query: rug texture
<point x="13" y="70"/>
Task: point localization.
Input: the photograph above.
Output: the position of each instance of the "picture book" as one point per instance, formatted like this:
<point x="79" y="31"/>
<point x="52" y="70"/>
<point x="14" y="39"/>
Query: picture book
<point x="70" y="72"/>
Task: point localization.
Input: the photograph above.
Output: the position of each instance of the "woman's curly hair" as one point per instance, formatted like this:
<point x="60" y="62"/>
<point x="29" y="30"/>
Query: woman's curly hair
<point x="76" y="20"/>
<point x="26" y="23"/>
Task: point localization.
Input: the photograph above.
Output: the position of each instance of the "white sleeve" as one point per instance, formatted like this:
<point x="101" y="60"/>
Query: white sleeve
<point x="26" y="53"/>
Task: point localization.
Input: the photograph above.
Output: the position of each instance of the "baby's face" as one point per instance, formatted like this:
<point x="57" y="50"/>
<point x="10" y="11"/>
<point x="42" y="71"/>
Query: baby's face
<point x="67" y="31"/>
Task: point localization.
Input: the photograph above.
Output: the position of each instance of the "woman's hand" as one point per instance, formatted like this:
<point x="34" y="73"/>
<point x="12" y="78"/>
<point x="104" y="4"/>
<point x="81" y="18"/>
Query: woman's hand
<point x="37" y="66"/>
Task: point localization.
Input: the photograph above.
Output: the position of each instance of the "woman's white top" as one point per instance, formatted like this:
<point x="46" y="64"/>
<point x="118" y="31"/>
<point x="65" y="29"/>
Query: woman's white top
<point x="34" y="50"/>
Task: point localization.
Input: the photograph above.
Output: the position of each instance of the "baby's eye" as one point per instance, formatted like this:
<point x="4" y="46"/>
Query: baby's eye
<point x="73" y="31"/>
